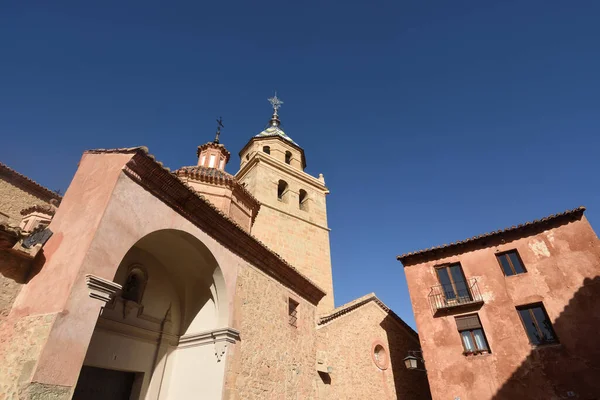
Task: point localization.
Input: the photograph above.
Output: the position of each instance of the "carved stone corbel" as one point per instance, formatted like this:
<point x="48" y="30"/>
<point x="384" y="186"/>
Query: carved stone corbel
<point x="100" y="288"/>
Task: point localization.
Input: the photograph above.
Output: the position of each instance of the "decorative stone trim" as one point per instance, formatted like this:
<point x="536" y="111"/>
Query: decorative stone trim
<point x="220" y="338"/>
<point x="100" y="288"/>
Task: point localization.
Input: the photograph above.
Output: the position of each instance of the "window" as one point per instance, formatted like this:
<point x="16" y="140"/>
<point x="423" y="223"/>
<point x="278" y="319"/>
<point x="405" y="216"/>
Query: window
<point x="134" y="286"/>
<point x="293" y="312"/>
<point x="282" y="187"/>
<point x="471" y="335"/>
<point x="202" y="159"/>
<point x="380" y="356"/>
<point x="247" y="157"/>
<point x="222" y="163"/>
<point x="511" y="263"/>
<point x="453" y="283"/>
<point x="267" y="149"/>
<point x="537" y="324"/>
<point x="288" y="157"/>
<point x="302" y="197"/>
<point x="211" y="161"/>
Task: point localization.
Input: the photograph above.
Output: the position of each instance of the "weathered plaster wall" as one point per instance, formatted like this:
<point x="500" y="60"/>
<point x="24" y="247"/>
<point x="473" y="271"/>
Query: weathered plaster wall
<point x="300" y="236"/>
<point x="273" y="359"/>
<point x="558" y="262"/>
<point x="13" y="199"/>
<point x="347" y="345"/>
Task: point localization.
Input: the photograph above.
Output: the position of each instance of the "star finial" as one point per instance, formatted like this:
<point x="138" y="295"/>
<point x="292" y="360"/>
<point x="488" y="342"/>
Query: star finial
<point x="276" y="103"/>
<point x="219" y="126"/>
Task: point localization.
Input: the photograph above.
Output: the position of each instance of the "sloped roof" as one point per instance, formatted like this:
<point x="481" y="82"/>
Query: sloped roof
<point x="27" y="183"/>
<point x="152" y="175"/>
<point x="276" y="131"/>
<point x="576" y="212"/>
<point x="357" y="303"/>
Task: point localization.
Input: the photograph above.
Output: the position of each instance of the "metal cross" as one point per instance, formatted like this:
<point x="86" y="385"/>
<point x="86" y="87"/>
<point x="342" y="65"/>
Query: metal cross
<point x="219" y="126"/>
<point x="275" y="102"/>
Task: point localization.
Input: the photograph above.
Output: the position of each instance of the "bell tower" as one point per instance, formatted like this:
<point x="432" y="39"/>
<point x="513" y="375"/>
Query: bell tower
<point x="293" y="216"/>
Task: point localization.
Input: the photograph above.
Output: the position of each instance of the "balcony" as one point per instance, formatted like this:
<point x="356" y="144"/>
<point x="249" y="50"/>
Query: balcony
<point x="461" y="295"/>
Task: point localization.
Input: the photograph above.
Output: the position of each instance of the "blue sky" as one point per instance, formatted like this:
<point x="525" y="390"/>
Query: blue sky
<point x="431" y="121"/>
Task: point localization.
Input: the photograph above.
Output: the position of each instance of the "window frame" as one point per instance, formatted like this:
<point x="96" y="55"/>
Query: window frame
<point x="536" y="323"/>
<point x="284" y="192"/>
<point x="293" y="312"/>
<point x="510" y="263"/>
<point x="302" y="201"/>
<point x="477" y="350"/>
<point x="452" y="281"/>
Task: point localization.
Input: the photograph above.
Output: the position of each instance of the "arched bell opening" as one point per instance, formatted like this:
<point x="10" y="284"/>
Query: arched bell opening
<point x="164" y="335"/>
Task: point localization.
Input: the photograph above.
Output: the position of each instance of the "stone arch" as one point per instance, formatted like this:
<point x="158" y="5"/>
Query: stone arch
<point x="177" y="329"/>
<point x="282" y="190"/>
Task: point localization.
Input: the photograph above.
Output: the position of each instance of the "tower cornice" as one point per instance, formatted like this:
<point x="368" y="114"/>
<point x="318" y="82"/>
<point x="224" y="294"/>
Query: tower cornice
<point x="281" y="166"/>
<point x="282" y="140"/>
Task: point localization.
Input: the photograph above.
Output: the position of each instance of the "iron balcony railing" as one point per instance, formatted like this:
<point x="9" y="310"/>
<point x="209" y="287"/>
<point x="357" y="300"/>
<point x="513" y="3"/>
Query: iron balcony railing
<point x="457" y="294"/>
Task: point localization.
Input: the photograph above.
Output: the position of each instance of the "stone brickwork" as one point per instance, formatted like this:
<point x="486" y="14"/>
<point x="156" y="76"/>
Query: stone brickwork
<point x="273" y="359"/>
<point x="9" y="289"/>
<point x="347" y="343"/>
<point x="21" y="342"/>
<point x="13" y="199"/>
<point x="561" y="256"/>
<point x="298" y="233"/>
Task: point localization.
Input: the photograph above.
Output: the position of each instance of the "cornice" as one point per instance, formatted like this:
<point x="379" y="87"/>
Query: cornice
<point x="296" y="217"/>
<point x="282" y="140"/>
<point x="280" y="165"/>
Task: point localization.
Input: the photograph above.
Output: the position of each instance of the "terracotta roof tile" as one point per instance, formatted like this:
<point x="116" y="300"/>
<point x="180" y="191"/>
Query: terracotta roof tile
<point x="472" y="240"/>
<point x="264" y="263"/>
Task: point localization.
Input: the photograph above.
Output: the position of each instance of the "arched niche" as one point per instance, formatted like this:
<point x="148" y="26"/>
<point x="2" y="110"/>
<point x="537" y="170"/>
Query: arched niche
<point x="161" y="330"/>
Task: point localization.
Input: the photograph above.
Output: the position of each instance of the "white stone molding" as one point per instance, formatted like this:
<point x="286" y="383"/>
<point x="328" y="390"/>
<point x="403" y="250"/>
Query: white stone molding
<point x="100" y="288"/>
<point x="220" y="338"/>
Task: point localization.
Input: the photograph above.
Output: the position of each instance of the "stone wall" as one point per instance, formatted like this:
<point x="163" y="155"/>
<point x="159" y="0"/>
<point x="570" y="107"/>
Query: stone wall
<point x="347" y="345"/>
<point x="13" y="199"/>
<point x="272" y="360"/>
<point x="299" y="235"/>
<point x="21" y="341"/>
<point x="563" y="268"/>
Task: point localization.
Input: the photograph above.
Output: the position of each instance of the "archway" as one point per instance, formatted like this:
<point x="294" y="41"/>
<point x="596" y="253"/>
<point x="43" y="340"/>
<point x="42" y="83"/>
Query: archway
<point x="164" y="335"/>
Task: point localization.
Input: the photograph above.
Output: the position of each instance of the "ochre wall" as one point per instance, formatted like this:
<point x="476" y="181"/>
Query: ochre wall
<point x="347" y="344"/>
<point x="300" y="236"/>
<point x="563" y="268"/>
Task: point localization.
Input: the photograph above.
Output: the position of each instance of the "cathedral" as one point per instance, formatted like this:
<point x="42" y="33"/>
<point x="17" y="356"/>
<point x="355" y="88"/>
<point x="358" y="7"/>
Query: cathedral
<point x="146" y="283"/>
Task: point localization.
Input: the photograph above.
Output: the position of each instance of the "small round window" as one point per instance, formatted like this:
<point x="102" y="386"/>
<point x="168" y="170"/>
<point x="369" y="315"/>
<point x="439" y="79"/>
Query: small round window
<point x="380" y="356"/>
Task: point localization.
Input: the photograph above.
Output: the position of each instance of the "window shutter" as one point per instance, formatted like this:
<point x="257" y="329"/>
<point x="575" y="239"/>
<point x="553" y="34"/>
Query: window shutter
<point x="468" y="322"/>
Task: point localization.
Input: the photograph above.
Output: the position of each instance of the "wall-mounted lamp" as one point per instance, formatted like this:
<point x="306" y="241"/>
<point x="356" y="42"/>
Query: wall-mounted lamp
<point x="412" y="360"/>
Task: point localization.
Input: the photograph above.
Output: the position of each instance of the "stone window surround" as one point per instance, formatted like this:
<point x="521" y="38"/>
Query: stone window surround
<point x="381" y="364"/>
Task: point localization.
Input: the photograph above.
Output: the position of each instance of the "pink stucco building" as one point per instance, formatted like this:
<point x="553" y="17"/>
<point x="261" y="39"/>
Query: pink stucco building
<point x="511" y="314"/>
